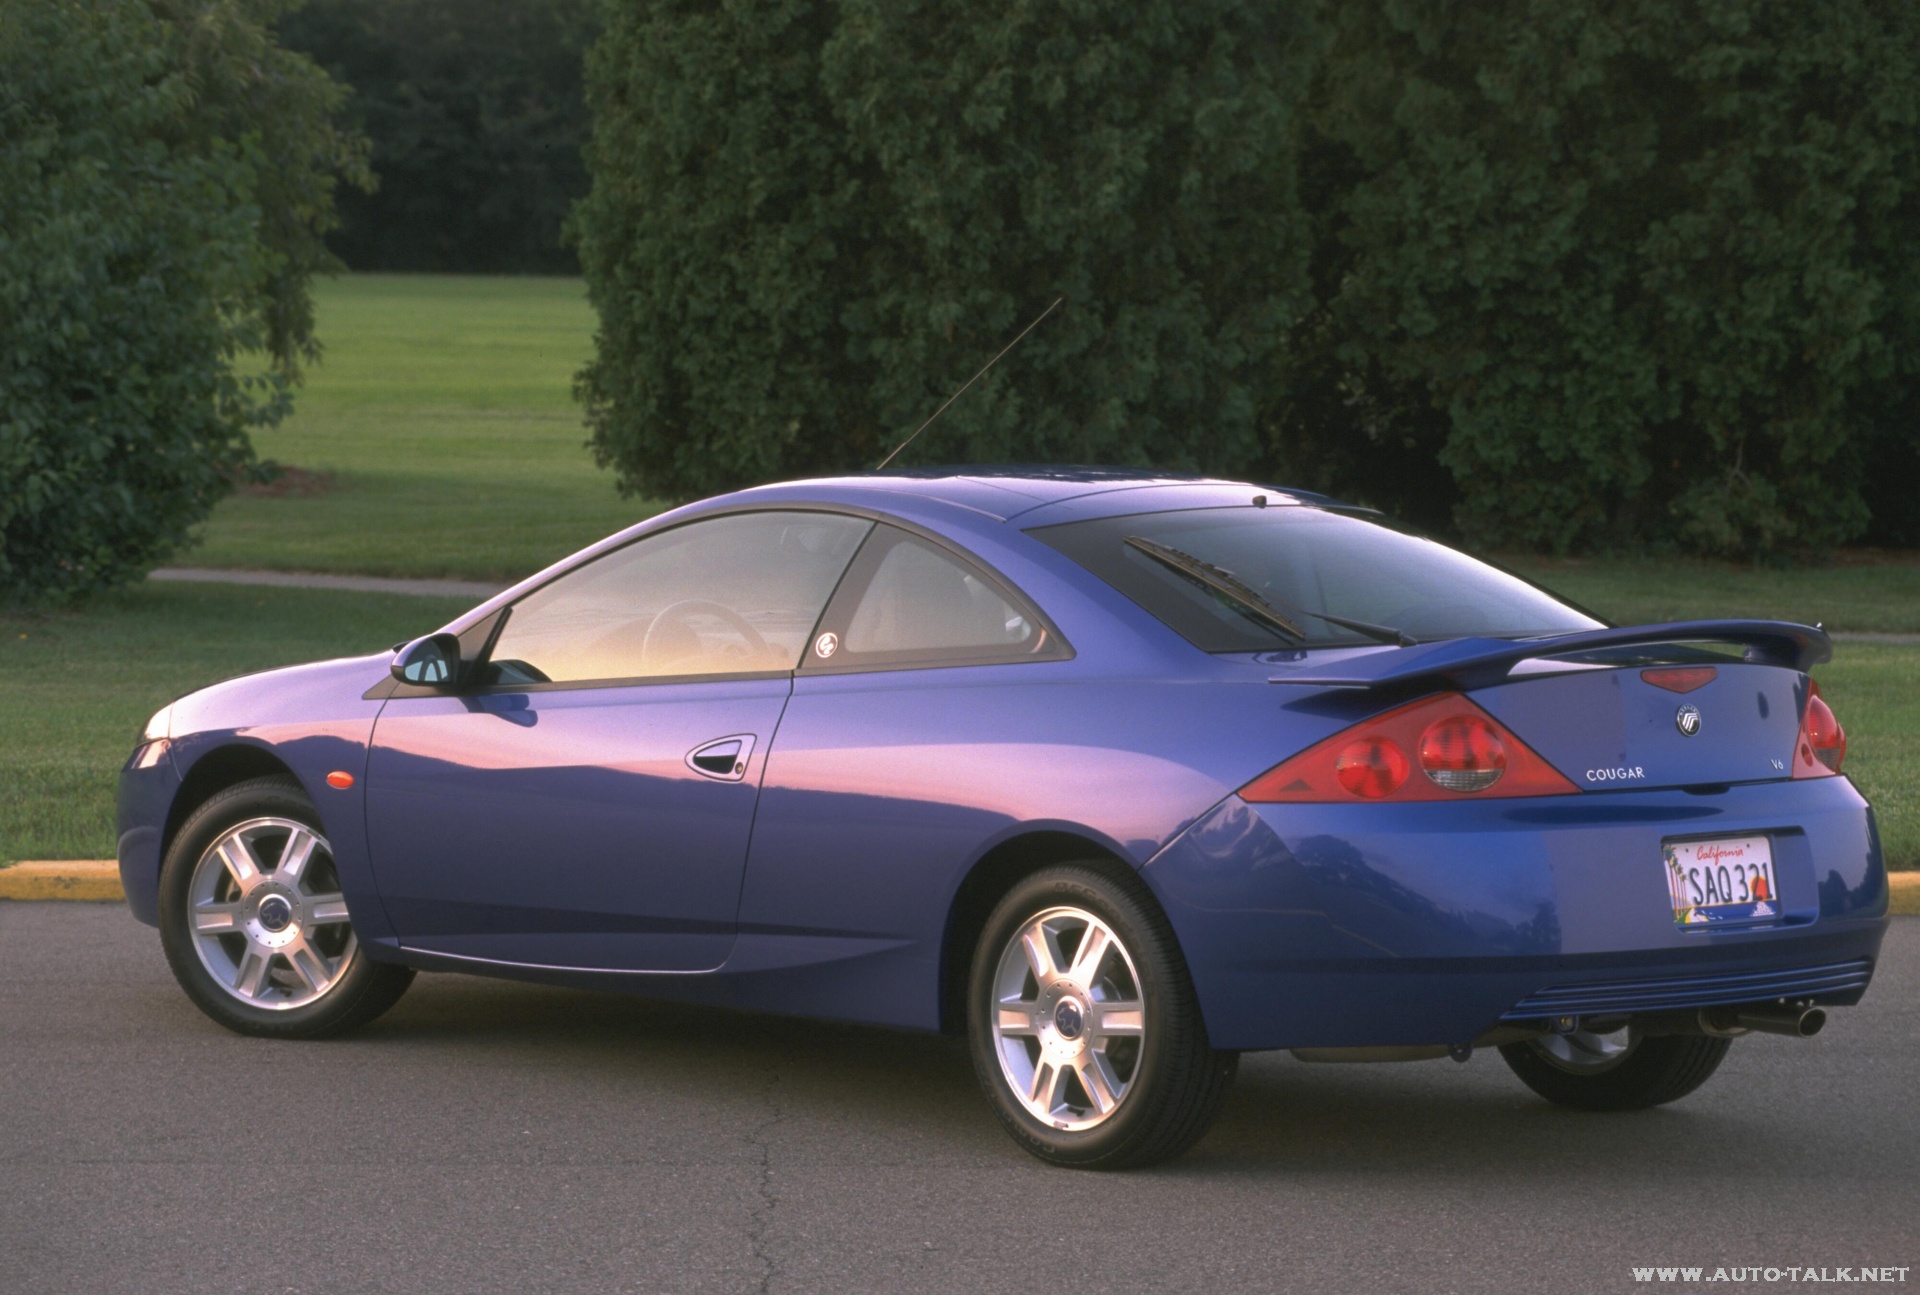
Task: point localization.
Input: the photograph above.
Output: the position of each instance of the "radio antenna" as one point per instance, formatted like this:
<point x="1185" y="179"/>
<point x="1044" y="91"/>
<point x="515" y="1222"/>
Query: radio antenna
<point x="970" y="381"/>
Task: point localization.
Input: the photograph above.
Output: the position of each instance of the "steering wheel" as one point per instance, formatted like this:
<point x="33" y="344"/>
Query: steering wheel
<point x="670" y="640"/>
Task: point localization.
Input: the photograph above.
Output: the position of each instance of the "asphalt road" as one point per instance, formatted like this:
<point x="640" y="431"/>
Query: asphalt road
<point x="491" y="1137"/>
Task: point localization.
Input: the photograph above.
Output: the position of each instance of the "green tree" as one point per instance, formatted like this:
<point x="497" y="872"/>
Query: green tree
<point x="166" y="174"/>
<point x="476" y="116"/>
<point x="1652" y="260"/>
<point x="810" y="221"/>
<point x="1562" y="275"/>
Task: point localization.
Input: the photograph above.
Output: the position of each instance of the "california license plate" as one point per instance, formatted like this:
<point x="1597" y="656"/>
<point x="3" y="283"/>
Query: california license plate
<point x="1728" y="880"/>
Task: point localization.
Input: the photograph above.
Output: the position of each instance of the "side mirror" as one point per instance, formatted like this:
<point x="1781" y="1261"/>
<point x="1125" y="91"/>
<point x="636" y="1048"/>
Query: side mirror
<point x="431" y="662"/>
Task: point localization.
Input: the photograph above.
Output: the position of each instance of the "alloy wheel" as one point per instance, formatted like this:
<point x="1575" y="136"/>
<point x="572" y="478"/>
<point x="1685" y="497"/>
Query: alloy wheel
<point x="266" y="914"/>
<point x="1069" y="1018"/>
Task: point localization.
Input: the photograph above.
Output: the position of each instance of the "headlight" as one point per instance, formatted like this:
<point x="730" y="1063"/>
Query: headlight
<point x="157" y="726"/>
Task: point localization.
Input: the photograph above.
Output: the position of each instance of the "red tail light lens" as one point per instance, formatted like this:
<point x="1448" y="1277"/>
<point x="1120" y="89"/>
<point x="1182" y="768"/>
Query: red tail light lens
<point x="1372" y="768"/>
<point x="1822" y="747"/>
<point x="1462" y="751"/>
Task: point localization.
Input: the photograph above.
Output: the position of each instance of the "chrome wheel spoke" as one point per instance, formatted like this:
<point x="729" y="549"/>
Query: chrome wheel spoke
<point x="216" y="919"/>
<point x="1125" y="1017"/>
<point x="250" y="977"/>
<point x="1043" y="957"/>
<point x="1088" y="957"/>
<point x="1099" y="1084"/>
<point x="325" y="910"/>
<point x="295" y="857"/>
<point x="238" y="858"/>
<point x="310" y="964"/>
<point x="1017" y="1019"/>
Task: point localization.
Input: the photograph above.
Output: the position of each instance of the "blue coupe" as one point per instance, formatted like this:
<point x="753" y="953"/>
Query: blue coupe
<point x="1119" y="775"/>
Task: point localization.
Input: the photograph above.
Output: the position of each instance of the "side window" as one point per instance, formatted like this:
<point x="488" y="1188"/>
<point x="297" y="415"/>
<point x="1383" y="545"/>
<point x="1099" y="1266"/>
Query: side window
<point x="910" y="602"/>
<point x="730" y="595"/>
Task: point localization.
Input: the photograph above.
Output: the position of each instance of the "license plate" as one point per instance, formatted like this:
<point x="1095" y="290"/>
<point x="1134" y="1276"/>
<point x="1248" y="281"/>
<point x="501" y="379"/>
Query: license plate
<point x="1728" y="880"/>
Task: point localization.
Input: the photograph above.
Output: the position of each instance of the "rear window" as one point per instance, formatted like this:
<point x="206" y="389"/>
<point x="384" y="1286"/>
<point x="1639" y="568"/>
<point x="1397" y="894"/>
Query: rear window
<point x="1303" y="560"/>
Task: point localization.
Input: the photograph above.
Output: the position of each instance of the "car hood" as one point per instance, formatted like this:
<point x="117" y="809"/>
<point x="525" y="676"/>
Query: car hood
<point x="313" y="692"/>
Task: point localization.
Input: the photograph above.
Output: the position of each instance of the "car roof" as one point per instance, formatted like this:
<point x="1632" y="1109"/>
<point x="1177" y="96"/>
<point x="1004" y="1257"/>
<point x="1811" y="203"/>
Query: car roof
<point x="972" y="498"/>
<point x="1032" y="495"/>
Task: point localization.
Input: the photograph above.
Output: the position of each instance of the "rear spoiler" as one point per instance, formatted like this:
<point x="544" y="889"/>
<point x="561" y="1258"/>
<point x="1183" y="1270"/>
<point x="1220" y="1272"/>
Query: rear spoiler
<point x="1476" y="662"/>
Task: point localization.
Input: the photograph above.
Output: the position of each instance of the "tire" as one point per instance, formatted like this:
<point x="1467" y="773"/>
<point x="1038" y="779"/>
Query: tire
<point x="1638" y="1074"/>
<point x="254" y="925"/>
<point x="1094" y="1062"/>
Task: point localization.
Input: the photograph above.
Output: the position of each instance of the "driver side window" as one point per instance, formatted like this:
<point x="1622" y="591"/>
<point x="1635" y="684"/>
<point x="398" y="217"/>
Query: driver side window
<point x="730" y="595"/>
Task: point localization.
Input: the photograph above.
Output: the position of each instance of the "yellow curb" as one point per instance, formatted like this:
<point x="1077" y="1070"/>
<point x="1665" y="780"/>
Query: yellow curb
<point x="1906" y="892"/>
<point x="62" y="879"/>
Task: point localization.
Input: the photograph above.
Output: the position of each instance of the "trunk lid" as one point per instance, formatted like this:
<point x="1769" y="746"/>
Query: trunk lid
<point x="1610" y="729"/>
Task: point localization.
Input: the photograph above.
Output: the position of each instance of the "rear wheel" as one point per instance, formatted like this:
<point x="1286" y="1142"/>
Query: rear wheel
<point x="1086" y="1035"/>
<point x="254" y="924"/>
<point x="1618" y="1071"/>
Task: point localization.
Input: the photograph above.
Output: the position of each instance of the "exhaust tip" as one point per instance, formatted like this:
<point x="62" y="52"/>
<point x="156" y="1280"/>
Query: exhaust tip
<point x="1798" y="1022"/>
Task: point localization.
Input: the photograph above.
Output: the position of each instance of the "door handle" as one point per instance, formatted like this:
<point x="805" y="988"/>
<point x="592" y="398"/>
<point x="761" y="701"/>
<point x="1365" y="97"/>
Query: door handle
<point x="724" y="759"/>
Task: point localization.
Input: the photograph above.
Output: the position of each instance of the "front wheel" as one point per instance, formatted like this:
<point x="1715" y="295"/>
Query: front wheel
<point x="254" y="924"/>
<point x="1620" y="1071"/>
<point x="1086" y="1034"/>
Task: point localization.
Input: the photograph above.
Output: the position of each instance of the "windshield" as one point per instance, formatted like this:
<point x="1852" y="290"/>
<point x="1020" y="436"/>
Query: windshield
<point x="1302" y="561"/>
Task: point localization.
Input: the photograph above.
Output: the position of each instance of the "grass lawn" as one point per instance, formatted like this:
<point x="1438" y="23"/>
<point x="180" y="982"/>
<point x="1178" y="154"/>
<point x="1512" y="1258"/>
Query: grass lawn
<point x="1850" y="594"/>
<point x="443" y="409"/>
<point x="97" y="674"/>
<point x="1874" y="689"/>
<point x="100" y="672"/>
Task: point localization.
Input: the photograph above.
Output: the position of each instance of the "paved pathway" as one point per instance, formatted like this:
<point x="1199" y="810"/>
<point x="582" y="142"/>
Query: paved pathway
<point x="475" y="589"/>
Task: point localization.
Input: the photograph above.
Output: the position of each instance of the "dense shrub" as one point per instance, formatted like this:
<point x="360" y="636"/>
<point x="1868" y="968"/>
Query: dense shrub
<point x="1652" y="259"/>
<point x="1568" y="275"/>
<point x="811" y="221"/>
<point x="165" y="181"/>
<point x="476" y="117"/>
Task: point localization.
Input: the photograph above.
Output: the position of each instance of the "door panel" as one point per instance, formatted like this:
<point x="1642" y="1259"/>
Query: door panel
<point x="567" y="827"/>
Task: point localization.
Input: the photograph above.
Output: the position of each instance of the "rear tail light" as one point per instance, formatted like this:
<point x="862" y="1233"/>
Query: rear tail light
<point x="1371" y="768"/>
<point x="1822" y="745"/>
<point x="1463" y="753"/>
<point x="1457" y="748"/>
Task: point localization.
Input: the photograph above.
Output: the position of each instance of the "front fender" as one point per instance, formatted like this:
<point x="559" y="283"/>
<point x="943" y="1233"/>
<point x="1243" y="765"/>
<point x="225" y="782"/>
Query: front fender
<point x="309" y="720"/>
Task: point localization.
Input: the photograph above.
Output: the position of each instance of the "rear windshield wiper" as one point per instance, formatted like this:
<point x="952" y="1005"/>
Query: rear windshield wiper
<point x="1378" y="633"/>
<point x="1220" y="581"/>
<point x="1231" y="586"/>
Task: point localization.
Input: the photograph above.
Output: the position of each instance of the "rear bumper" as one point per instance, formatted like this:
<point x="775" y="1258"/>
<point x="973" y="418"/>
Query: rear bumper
<point x="1388" y="925"/>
